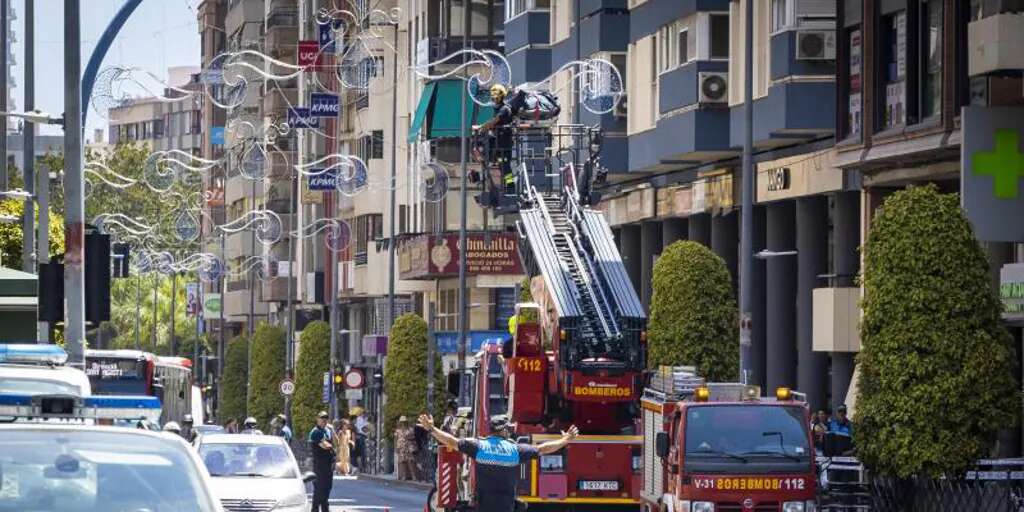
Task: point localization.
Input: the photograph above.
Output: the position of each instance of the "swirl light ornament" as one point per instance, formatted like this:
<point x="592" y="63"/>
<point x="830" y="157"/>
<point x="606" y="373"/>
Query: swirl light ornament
<point x="433" y="182"/>
<point x="600" y="84"/>
<point x="264" y="223"/>
<point x="496" y="70"/>
<point x="337" y="233"/>
<point x="117" y="86"/>
<point x="260" y="267"/>
<point x="116" y="224"/>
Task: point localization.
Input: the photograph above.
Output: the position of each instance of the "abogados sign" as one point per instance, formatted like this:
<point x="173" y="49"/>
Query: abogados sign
<point x="430" y="256"/>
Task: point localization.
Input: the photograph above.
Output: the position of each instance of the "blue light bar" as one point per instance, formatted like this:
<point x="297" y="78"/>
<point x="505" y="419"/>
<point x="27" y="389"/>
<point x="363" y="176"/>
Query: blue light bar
<point x="98" y="407"/>
<point x="31" y="353"/>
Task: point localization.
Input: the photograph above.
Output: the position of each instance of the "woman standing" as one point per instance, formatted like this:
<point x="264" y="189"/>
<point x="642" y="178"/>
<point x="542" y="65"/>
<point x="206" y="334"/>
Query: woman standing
<point x="344" y="441"/>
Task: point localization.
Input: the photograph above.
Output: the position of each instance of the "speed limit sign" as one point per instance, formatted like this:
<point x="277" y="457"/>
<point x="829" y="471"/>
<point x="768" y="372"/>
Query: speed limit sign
<point x="354" y="379"/>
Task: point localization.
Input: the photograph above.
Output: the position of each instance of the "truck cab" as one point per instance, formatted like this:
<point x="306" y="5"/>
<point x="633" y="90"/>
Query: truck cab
<point x="721" y="447"/>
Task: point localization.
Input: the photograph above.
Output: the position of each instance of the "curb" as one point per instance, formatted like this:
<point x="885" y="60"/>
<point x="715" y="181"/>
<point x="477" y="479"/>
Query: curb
<point x="422" y="486"/>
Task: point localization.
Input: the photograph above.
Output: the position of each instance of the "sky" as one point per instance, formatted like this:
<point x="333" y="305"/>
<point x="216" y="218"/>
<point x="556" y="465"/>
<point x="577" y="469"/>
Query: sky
<point x="160" y="34"/>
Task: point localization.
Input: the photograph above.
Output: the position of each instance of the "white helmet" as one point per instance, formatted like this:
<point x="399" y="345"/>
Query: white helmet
<point x="172" y="426"/>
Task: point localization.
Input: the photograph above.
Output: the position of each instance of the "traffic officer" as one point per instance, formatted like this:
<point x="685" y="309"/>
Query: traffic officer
<point x="186" y="428"/>
<point x="497" y="459"/>
<point x="251" y="426"/>
<point x="323" y="461"/>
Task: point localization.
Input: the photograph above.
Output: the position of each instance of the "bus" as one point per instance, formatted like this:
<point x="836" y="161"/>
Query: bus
<point x="133" y="372"/>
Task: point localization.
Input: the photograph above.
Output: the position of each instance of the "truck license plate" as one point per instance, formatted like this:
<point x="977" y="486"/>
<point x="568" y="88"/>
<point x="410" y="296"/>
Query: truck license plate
<point x="599" y="485"/>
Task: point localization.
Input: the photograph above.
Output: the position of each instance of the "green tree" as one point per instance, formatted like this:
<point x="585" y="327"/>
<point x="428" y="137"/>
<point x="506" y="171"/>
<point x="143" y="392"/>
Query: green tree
<point x="309" y="374"/>
<point x="12" y="236"/>
<point x="936" y="365"/>
<point x="268" y="353"/>
<point x="232" y="384"/>
<point x="693" y="312"/>
<point x="405" y="372"/>
<point x="125" y="293"/>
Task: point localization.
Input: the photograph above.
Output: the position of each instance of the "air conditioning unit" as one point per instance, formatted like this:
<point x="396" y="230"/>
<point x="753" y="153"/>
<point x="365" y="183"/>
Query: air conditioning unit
<point x="816" y="45"/>
<point x="620" y="107"/>
<point x="713" y="87"/>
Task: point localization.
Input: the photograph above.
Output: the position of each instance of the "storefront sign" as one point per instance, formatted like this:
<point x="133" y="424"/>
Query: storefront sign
<point x="429" y="256"/>
<point x="375" y="345"/>
<point x="778" y="179"/>
<point x="992" y="172"/>
<point x="322" y="104"/>
<point x="720" y="196"/>
<point x="217" y="135"/>
<point x="698" y="197"/>
<point x="1011" y="291"/>
<point x="683" y="202"/>
<point x="299" y="118"/>
<point x="319" y="179"/>
<point x="211" y="305"/>
<point x="309" y="53"/>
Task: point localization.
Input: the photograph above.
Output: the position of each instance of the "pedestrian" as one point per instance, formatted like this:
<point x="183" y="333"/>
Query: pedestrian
<point x="819" y="426"/>
<point x="279" y="427"/>
<point x="186" y="429"/>
<point x="840" y="434"/>
<point x="497" y="459"/>
<point x="405" y="450"/>
<point x="343" y="444"/>
<point x="251" y="426"/>
<point x="359" y="449"/>
<point x="450" y="415"/>
<point x="231" y="426"/>
<point x="319" y="440"/>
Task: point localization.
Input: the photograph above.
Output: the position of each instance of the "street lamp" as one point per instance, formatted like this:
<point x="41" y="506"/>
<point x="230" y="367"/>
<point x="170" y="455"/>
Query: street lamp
<point x="35" y="117"/>
<point x="16" y="194"/>
<point x="766" y="254"/>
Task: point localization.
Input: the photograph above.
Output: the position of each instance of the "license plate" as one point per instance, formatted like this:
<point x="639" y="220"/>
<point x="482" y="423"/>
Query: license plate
<point x="599" y="485"/>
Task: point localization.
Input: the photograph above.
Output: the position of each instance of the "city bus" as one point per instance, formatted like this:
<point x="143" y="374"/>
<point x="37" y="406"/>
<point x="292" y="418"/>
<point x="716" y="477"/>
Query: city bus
<point x="133" y="372"/>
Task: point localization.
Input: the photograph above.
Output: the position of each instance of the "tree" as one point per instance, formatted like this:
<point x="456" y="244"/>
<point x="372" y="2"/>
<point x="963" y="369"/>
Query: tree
<point x="936" y="366"/>
<point x="405" y="372"/>
<point x="309" y="374"/>
<point x="268" y="353"/>
<point x="693" y="312"/>
<point x="232" y="384"/>
<point x="124" y="293"/>
<point x="12" y="236"/>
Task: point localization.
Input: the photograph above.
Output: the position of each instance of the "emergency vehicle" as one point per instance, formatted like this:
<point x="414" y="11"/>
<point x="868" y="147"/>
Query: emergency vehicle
<point x="39" y="369"/>
<point x="722" y="447"/>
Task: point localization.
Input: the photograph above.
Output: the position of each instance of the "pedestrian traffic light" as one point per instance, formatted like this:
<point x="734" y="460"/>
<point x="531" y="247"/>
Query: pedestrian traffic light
<point x="97" y="277"/>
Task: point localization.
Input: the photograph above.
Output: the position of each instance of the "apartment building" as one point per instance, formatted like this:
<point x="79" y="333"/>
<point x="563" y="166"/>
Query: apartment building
<point x="160" y="124"/>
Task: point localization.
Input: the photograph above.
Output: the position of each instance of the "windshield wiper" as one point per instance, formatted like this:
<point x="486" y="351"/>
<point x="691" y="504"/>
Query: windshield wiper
<point x="790" y="456"/>
<point x="250" y="475"/>
<point x="720" y="452"/>
<point x="782" y="447"/>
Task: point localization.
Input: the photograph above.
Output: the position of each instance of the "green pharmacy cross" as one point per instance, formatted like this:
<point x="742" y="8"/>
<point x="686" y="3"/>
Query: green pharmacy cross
<point x="1005" y="164"/>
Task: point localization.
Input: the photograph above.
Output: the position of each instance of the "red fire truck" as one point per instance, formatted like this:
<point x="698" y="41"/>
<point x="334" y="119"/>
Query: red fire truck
<point x="722" y="447"/>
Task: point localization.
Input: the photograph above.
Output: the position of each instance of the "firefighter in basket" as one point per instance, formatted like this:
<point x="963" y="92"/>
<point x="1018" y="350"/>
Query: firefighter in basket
<point x="499" y="153"/>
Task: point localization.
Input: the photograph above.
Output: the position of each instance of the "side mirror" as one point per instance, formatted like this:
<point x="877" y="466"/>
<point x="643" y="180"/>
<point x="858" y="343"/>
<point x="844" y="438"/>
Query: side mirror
<point x="308" y="476"/>
<point x="661" y="444"/>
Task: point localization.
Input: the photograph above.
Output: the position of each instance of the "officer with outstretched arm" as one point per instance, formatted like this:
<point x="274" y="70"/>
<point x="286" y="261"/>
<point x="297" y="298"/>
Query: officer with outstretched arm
<point x="497" y="459"/>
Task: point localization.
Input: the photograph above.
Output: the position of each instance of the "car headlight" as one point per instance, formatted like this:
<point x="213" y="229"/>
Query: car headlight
<point x="295" y="500"/>
<point x="797" y="506"/>
<point x="703" y="506"/>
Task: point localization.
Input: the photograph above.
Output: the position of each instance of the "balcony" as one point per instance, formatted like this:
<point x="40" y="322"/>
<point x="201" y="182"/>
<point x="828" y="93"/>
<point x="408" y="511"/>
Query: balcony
<point x="836" y="319"/>
<point x="276" y="290"/>
<point x="440" y="47"/>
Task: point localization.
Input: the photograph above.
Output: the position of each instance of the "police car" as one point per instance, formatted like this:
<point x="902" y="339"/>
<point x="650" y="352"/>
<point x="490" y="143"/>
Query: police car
<point x="51" y="458"/>
<point x="39" y="369"/>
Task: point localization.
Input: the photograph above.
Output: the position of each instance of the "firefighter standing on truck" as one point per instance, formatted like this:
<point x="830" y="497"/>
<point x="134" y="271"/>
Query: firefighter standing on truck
<point x="497" y="459"/>
<point x="501" y="149"/>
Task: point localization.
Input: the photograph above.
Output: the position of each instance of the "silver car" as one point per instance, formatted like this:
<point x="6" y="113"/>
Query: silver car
<point x="254" y="473"/>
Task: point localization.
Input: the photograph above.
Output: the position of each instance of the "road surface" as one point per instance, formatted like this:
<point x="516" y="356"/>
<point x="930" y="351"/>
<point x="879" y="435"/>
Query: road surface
<point x="352" y="494"/>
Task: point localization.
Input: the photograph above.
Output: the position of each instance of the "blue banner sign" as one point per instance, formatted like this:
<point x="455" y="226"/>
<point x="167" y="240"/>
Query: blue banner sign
<point x="217" y="135"/>
<point x="448" y="341"/>
<point x="327" y="35"/>
<point x="323" y="181"/>
<point x="323" y="104"/>
<point x="299" y="117"/>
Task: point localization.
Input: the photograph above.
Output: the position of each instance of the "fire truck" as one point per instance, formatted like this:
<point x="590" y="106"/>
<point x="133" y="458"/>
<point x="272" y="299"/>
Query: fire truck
<point x="578" y="353"/>
<point x="722" y="447"/>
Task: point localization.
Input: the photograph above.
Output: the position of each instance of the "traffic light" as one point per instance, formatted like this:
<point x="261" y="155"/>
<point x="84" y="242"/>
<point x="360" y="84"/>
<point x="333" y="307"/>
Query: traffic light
<point x="339" y="385"/>
<point x="51" y="292"/>
<point x="97" y="278"/>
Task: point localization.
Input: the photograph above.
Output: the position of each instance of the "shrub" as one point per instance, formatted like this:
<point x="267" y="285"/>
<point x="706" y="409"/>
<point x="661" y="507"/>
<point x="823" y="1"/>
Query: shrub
<point x="405" y="372"/>
<point x="268" y="354"/>
<point x="693" y="312"/>
<point x="936" y="366"/>
<point x="232" y="384"/>
<point x="309" y="375"/>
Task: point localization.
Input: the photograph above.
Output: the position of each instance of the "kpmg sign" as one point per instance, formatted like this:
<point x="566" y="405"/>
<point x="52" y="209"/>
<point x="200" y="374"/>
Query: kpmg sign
<point x="300" y="117"/>
<point x="325" y="180"/>
<point x="992" y="172"/>
<point x="323" y="105"/>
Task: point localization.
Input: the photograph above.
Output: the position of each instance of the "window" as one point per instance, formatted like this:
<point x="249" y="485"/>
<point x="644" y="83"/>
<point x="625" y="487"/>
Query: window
<point x="514" y="8"/>
<point x="158" y="128"/>
<point x="719" y="37"/>
<point x="370" y="68"/>
<point x="683" y="43"/>
<point x="665" y="43"/>
<point x="853" y="113"/>
<point x="377" y="144"/>
<point x="448" y="310"/>
<point x="197" y="121"/>
<point x="894" y="69"/>
<point x="368" y="229"/>
<point x="780" y="15"/>
<point x="931" y="58"/>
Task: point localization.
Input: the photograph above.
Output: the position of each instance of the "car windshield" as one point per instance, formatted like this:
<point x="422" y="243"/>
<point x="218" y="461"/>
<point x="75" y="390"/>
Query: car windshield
<point x="10" y="385"/>
<point x="91" y="471"/>
<point x="738" y="434"/>
<point x="248" y="460"/>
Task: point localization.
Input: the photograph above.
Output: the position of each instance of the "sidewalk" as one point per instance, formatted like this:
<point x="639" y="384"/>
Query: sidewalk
<point x="390" y="479"/>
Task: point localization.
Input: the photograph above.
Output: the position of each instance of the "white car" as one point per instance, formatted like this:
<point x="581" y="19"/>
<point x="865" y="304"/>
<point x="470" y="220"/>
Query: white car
<point x="254" y="473"/>
<point x="80" y="468"/>
<point x="39" y="370"/>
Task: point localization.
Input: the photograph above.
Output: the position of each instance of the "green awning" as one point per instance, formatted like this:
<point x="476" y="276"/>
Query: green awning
<point x="421" y="111"/>
<point x="444" y="111"/>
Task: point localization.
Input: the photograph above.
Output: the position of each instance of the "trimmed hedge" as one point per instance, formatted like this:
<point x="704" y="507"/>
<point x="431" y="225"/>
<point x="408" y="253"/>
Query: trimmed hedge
<point x="405" y="372"/>
<point x="693" y="319"/>
<point x="309" y="376"/>
<point x="232" y="384"/>
<point x="265" y="400"/>
<point x="936" y="365"/>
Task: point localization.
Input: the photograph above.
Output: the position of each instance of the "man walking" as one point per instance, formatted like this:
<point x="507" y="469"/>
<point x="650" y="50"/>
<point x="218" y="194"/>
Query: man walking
<point x="323" y="462"/>
<point x="497" y="459"/>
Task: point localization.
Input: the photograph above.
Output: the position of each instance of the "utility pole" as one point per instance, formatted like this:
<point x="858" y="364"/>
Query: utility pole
<point x="5" y="6"/>
<point x="43" y="240"/>
<point x="174" y="307"/>
<point x="28" y="144"/>
<point x="222" y="349"/>
<point x="289" y="321"/>
<point x="394" y="182"/>
<point x="463" y="215"/>
<point x="747" y="206"/>
<point x="74" y="199"/>
<point x="332" y="288"/>
<point x="250" y="328"/>
<point x="138" y="312"/>
<point x="431" y="344"/>
<point x="156" y="287"/>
